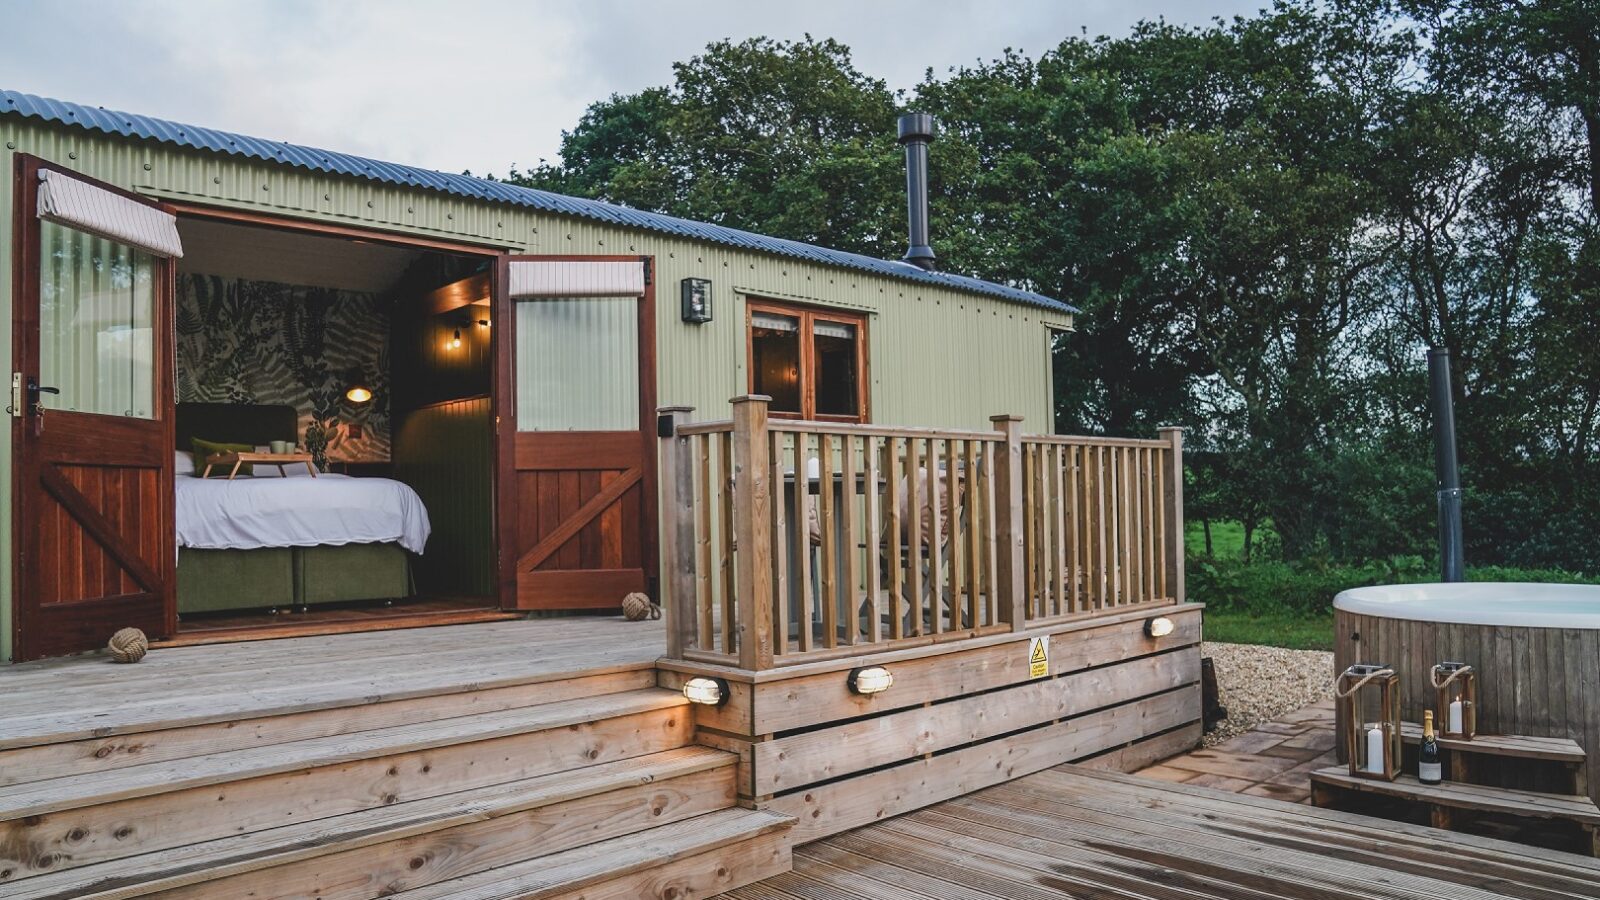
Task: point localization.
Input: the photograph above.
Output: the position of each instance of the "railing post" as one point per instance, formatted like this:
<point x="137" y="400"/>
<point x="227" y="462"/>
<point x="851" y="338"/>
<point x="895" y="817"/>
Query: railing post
<point x="1009" y="581"/>
<point x="677" y="531"/>
<point x="1173" y="436"/>
<point x="752" y="529"/>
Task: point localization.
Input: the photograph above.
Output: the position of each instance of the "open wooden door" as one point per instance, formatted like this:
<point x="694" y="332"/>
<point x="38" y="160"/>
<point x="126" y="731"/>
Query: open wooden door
<point x="575" y="400"/>
<point x="92" y="406"/>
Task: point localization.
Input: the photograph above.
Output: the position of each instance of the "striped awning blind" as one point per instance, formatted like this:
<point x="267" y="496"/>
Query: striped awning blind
<point x="576" y="278"/>
<point x="77" y="204"/>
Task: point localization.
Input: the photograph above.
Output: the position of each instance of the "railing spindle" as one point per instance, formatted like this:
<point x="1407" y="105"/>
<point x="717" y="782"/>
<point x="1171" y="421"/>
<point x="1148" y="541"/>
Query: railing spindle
<point x="874" y="535"/>
<point x="781" y="599"/>
<point x="850" y="608"/>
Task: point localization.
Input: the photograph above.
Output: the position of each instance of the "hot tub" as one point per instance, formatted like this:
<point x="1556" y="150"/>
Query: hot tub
<point x="1535" y="647"/>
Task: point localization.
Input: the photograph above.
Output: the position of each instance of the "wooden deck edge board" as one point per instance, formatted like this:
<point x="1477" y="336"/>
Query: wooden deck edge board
<point x="892" y="656"/>
<point x="605" y="860"/>
<point x="239" y="854"/>
<point x="1529" y="804"/>
<point x="74" y="791"/>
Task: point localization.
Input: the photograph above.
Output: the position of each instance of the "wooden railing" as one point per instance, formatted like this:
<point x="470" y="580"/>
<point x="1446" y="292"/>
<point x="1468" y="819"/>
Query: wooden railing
<point x="787" y="541"/>
<point x="1103" y="524"/>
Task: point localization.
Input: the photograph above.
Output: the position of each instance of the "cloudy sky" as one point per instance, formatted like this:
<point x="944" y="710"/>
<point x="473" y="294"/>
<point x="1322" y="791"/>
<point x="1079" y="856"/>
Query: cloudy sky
<point x="479" y="84"/>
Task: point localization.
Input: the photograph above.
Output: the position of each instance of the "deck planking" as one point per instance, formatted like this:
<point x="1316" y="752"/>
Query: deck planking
<point x="1072" y="832"/>
<point x="89" y="696"/>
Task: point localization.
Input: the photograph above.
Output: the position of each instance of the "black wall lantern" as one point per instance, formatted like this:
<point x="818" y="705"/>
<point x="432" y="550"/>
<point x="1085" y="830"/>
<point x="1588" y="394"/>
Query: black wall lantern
<point x="696" y="300"/>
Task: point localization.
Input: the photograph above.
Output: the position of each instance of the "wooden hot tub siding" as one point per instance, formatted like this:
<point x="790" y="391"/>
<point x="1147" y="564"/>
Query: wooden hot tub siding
<point x="1534" y="681"/>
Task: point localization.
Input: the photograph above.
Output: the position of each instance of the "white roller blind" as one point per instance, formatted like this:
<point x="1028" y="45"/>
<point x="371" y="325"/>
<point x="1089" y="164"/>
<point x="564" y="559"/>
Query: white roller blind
<point x="78" y="204"/>
<point x="576" y="278"/>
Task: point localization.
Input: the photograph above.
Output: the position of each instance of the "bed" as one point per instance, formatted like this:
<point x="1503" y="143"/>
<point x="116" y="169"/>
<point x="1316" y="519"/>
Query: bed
<point x="271" y="541"/>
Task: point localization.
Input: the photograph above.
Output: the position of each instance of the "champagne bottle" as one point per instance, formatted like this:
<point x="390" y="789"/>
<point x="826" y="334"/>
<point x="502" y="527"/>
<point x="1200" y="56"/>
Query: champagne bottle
<point x="1428" y="769"/>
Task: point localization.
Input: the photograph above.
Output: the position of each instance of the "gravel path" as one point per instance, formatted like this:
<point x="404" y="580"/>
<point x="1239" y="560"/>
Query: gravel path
<point x="1259" y="684"/>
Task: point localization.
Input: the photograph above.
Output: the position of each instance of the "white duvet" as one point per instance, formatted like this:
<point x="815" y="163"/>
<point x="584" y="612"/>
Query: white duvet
<point x="248" y="513"/>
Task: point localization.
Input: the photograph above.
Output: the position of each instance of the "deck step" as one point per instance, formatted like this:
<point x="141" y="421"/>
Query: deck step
<point x="1477" y="797"/>
<point x="695" y="858"/>
<point x="1552" y="749"/>
<point x="376" y="852"/>
<point x="1332" y="786"/>
<point x="380" y="851"/>
<point x="82" y="820"/>
<point x="54" y="752"/>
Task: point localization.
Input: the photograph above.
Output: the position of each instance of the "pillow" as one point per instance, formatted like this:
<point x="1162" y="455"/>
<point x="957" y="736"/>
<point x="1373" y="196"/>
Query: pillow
<point x="204" y="448"/>
<point x="183" y="463"/>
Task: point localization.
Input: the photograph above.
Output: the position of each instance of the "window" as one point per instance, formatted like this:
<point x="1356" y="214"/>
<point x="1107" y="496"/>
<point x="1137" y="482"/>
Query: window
<point x="578" y="364"/>
<point x="812" y="363"/>
<point x="96" y="305"/>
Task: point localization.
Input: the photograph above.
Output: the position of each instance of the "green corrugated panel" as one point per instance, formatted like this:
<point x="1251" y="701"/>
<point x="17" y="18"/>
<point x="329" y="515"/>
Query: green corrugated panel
<point x="931" y="363"/>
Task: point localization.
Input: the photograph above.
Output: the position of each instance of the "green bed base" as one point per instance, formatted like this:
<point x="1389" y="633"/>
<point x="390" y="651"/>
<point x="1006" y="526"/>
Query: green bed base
<point x="220" y="580"/>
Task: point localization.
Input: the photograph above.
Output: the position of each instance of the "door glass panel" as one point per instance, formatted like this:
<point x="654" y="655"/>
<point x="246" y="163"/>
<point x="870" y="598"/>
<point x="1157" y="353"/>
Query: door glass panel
<point x="775" y="359"/>
<point x="834" y="361"/>
<point x="578" y="364"/>
<point x="96" y="309"/>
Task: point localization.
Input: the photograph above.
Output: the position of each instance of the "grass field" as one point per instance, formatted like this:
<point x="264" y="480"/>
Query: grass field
<point x="1227" y="538"/>
<point x="1297" y="632"/>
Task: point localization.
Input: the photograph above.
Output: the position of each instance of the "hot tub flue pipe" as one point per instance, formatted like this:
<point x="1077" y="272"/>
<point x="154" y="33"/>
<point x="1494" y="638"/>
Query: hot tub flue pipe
<point x="1451" y="560"/>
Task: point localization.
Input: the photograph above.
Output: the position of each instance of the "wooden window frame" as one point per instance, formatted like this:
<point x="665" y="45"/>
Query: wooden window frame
<point x="808" y="316"/>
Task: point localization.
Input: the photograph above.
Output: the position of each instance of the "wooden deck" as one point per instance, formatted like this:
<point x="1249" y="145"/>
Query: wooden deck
<point x="1070" y="832"/>
<point x="91" y="697"/>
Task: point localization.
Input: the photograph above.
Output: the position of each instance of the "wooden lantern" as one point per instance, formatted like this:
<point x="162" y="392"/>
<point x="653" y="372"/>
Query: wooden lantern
<point x="1369" y="698"/>
<point x="1456" y="711"/>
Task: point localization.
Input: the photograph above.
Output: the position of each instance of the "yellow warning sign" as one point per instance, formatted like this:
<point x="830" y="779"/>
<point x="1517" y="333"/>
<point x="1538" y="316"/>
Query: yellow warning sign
<point x="1038" y="658"/>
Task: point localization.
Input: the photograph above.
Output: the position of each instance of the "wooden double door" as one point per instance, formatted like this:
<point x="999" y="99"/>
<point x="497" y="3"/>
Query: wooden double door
<point x="94" y="549"/>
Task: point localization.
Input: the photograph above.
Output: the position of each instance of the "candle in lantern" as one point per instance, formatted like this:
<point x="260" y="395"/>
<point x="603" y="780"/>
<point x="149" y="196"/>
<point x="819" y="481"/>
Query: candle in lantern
<point x="1455" y="717"/>
<point x="1375" y="750"/>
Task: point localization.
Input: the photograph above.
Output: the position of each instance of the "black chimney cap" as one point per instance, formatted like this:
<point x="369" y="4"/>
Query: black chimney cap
<point x="916" y="126"/>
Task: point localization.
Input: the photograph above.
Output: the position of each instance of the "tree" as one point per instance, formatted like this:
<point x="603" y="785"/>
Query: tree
<point x="781" y="137"/>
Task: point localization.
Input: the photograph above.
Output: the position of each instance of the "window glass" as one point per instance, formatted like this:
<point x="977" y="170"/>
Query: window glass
<point x="578" y="364"/>
<point x="834" y="359"/>
<point x="775" y="359"/>
<point x="96" y="309"/>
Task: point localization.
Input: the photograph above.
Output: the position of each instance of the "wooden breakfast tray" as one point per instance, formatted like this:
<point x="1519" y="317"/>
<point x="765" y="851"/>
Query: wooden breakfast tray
<point x="257" y="459"/>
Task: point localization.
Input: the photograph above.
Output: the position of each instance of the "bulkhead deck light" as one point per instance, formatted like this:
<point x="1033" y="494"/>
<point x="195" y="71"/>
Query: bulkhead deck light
<point x="870" y="680"/>
<point x="706" y="691"/>
<point x="1160" y="626"/>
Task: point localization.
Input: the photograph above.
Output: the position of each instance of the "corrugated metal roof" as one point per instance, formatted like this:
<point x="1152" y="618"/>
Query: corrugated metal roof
<point x="136" y="126"/>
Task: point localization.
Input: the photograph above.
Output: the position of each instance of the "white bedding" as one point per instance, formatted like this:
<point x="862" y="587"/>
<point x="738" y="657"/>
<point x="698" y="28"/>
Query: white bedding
<point x="248" y="513"/>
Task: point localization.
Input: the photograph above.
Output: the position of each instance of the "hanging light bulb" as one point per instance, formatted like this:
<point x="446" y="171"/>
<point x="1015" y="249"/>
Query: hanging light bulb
<point x="455" y="342"/>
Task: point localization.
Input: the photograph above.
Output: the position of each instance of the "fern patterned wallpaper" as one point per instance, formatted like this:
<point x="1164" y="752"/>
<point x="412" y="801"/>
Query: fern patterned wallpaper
<point x="242" y="341"/>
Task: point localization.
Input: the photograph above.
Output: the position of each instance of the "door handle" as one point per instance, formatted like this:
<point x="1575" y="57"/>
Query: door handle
<point x="35" y="392"/>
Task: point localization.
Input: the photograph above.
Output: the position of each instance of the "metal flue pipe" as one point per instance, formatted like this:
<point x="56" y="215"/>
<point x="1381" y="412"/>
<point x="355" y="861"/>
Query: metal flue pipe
<point x="1452" y="561"/>
<point x="916" y="132"/>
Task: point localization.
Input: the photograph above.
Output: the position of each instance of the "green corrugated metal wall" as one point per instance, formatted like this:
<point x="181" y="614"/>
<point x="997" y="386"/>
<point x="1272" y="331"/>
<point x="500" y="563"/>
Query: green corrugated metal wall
<point x="937" y="356"/>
